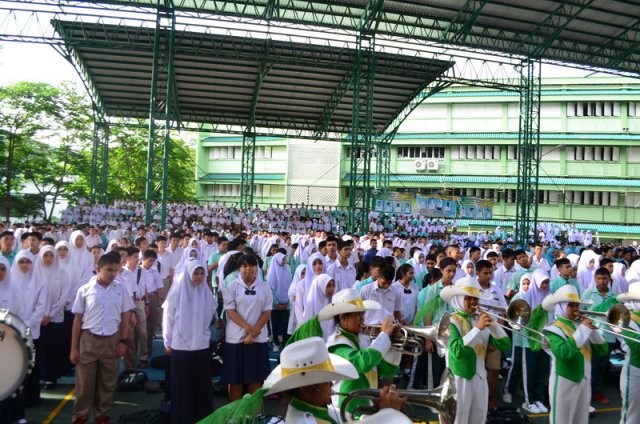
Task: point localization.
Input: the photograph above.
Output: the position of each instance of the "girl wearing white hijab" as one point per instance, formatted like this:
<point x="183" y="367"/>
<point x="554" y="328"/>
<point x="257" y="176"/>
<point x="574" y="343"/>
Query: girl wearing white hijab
<point x="320" y="294"/>
<point x="56" y="288"/>
<point x="30" y="307"/>
<point x="6" y="293"/>
<point x="279" y="279"/>
<point x="315" y="266"/>
<point x="63" y="252"/>
<point x="187" y="314"/>
<point x="417" y="262"/>
<point x="587" y="265"/>
<point x="518" y="369"/>
<point x="293" y="289"/>
<point x="537" y="361"/>
<point x="620" y="283"/>
<point x="12" y="409"/>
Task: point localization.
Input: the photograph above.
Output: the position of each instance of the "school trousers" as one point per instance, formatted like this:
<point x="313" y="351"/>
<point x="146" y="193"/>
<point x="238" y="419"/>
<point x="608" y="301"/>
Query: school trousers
<point x="96" y="375"/>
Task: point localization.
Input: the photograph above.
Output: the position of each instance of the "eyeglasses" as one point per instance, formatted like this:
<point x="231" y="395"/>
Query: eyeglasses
<point x="24" y="261"/>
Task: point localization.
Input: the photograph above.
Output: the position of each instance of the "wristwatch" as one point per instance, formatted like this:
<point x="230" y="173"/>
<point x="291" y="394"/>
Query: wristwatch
<point x="123" y="341"/>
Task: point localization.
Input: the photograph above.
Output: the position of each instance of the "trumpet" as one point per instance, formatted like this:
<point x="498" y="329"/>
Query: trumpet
<point x="517" y="315"/>
<point x="409" y="339"/>
<point x="617" y="317"/>
<point x="442" y="398"/>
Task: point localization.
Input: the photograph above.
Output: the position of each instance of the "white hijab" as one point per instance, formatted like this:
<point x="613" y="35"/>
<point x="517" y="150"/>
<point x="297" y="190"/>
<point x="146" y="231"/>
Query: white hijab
<point x="6" y="292"/>
<point x="80" y="262"/>
<point x="620" y="284"/>
<point x="586" y="274"/>
<point x="279" y="278"/>
<point x="317" y="297"/>
<point x="415" y="262"/>
<point x="53" y="279"/>
<point x="309" y="275"/>
<point x="535" y="295"/>
<point x="27" y="290"/>
<point x="194" y="306"/>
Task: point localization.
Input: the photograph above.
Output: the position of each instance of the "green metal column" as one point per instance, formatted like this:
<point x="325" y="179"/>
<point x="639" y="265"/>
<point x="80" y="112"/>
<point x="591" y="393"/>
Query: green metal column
<point x="362" y="124"/>
<point x="99" y="162"/>
<point x="528" y="151"/>
<point x="249" y="144"/>
<point x="163" y="112"/>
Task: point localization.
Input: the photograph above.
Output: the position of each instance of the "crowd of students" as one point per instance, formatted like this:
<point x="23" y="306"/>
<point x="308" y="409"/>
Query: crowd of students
<point x="102" y="290"/>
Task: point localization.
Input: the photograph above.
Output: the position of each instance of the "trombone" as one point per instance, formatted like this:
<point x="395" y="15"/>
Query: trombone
<point x="517" y="315"/>
<point x="617" y="318"/>
<point x="408" y="339"/>
<point x="442" y="398"/>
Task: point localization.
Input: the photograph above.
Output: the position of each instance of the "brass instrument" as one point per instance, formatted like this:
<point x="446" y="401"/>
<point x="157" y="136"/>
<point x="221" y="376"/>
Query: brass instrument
<point x="517" y="315"/>
<point x="442" y="398"/>
<point x="617" y="317"/>
<point x="408" y="339"/>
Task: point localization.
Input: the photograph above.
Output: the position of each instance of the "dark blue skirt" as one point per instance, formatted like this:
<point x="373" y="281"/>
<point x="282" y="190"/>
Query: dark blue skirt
<point x="191" y="391"/>
<point x="245" y="364"/>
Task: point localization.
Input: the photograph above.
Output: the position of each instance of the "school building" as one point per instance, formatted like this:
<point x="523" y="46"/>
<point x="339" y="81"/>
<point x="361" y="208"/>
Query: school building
<point x="463" y="141"/>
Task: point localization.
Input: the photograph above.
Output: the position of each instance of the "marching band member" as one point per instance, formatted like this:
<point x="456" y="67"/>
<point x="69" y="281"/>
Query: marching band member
<point x="305" y="375"/>
<point x="468" y="342"/>
<point x="630" y="375"/>
<point x="371" y="359"/>
<point x="571" y="350"/>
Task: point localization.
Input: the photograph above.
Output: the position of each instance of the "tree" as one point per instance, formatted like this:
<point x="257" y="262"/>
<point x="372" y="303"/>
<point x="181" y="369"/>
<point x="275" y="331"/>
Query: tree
<point x="28" y="110"/>
<point x="128" y="166"/>
<point x="62" y="161"/>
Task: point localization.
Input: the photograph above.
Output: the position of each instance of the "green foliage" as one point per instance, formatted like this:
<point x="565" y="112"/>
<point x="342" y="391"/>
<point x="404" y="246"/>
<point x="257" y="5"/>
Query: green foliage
<point x="46" y="138"/>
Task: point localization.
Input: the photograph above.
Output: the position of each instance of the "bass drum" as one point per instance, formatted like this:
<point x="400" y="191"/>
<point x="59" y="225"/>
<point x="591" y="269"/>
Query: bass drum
<point x="17" y="354"/>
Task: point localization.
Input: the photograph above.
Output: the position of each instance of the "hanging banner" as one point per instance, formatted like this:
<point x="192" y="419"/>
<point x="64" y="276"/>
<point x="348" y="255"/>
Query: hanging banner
<point x="436" y="206"/>
<point x="394" y="202"/>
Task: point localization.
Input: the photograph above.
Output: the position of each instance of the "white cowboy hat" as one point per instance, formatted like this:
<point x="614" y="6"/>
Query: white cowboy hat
<point x="564" y="294"/>
<point x="467" y="286"/>
<point x="632" y="294"/>
<point x="305" y="363"/>
<point x="344" y="302"/>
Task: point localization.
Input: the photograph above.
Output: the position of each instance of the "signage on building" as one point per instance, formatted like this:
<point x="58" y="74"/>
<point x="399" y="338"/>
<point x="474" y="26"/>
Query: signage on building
<point x="434" y="205"/>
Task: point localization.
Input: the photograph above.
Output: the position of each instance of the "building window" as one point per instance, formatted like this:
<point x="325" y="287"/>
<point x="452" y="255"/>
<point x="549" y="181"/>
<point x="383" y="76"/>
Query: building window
<point x="634" y="109"/>
<point x="429" y="152"/>
<point x="591" y="198"/>
<point x="347" y="153"/>
<point x="479" y="152"/>
<point x="594" y="153"/>
<point x="593" y="109"/>
<point x="512" y="152"/>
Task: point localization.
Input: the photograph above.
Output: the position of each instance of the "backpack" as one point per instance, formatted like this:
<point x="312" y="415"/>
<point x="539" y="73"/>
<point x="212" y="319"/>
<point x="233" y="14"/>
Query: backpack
<point x="131" y="381"/>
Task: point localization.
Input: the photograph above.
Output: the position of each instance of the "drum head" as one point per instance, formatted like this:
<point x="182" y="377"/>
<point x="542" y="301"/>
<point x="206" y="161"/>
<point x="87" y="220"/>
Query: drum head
<point x="14" y="357"/>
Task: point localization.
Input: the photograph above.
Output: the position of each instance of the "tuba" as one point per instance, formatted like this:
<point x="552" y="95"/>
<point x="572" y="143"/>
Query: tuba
<point x="441" y="398"/>
<point x="409" y="340"/>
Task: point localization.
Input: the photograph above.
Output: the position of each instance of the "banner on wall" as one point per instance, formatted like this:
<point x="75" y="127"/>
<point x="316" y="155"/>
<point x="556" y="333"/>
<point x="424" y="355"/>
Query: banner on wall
<point x="394" y="202"/>
<point x="434" y="205"/>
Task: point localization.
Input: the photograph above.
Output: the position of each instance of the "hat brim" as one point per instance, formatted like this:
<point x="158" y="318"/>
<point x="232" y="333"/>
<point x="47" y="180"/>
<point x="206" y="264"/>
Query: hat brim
<point x="549" y="302"/>
<point x="628" y="297"/>
<point x="449" y="292"/>
<point x="337" y="308"/>
<point x="343" y="370"/>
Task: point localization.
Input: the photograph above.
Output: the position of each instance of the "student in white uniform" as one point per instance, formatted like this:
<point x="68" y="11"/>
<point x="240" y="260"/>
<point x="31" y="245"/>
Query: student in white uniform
<point x="381" y="291"/>
<point x="187" y="313"/>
